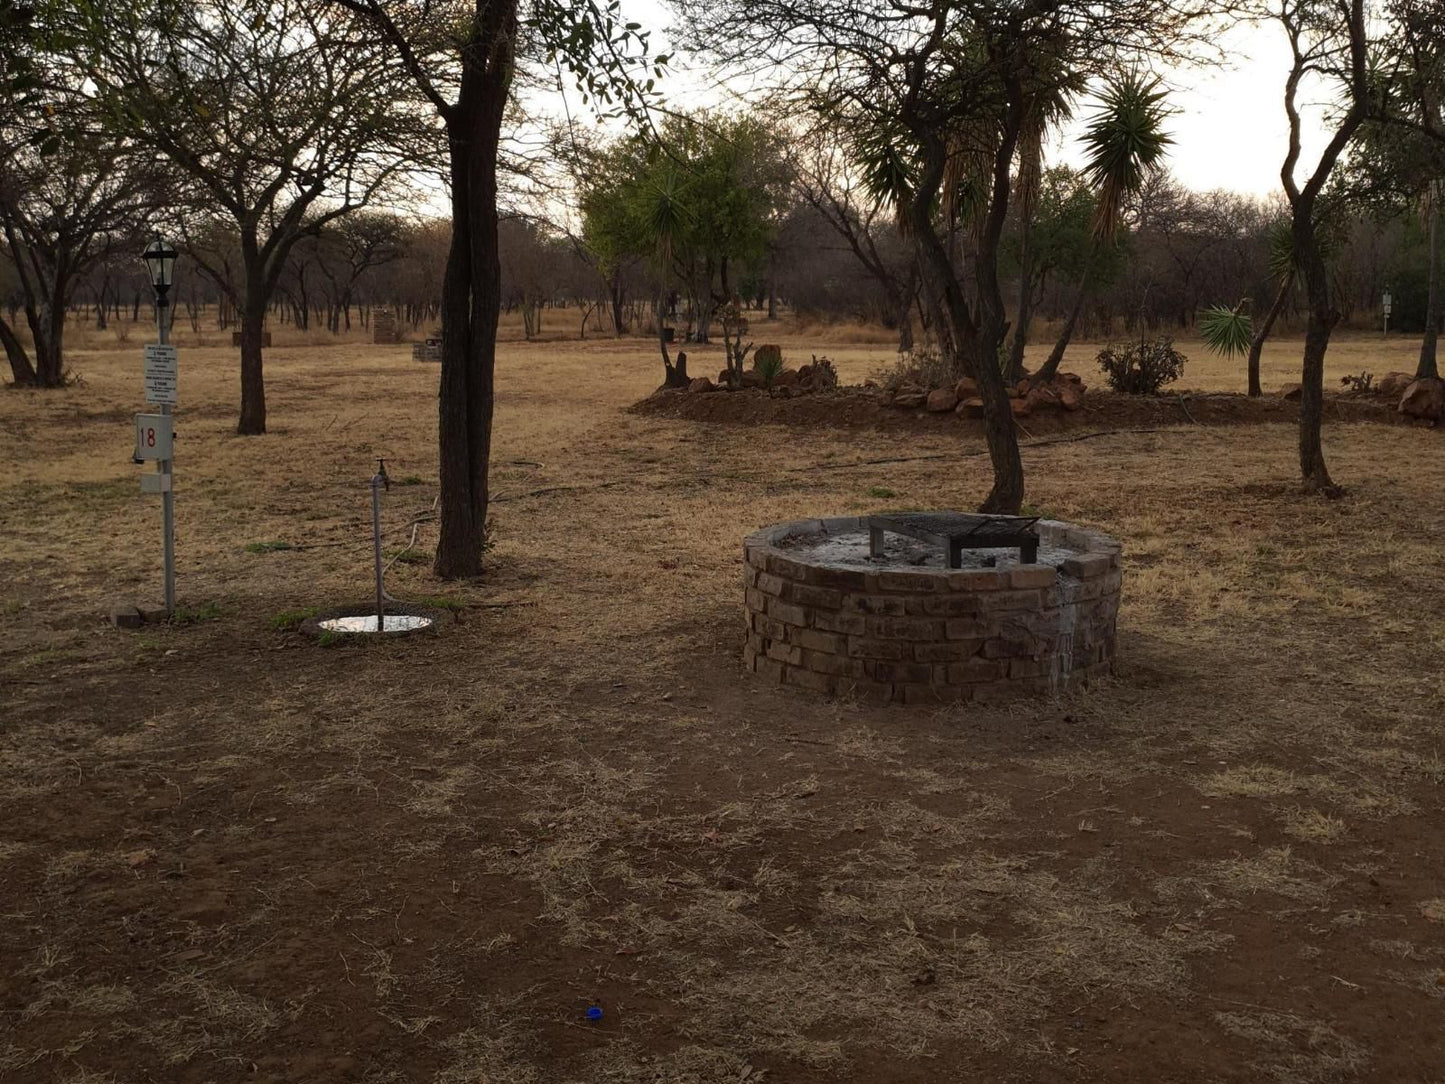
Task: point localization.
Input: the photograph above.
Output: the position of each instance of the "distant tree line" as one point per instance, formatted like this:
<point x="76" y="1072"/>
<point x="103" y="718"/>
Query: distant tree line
<point x="1181" y="252"/>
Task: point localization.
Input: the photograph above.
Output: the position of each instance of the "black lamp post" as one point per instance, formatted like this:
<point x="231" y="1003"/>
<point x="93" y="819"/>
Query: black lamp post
<point x="160" y="260"/>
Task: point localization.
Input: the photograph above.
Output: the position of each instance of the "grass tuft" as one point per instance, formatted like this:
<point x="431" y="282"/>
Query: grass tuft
<point x="441" y="602"/>
<point x="192" y="615"/>
<point x="289" y="620"/>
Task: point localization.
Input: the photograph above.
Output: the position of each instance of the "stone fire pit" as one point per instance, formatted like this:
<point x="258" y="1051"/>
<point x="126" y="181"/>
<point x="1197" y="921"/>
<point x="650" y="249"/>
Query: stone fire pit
<point x="825" y="615"/>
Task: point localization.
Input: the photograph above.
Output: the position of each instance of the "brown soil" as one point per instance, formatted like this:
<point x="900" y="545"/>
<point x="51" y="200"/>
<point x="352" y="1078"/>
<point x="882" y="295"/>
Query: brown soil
<point x="861" y="408"/>
<point x="228" y="852"/>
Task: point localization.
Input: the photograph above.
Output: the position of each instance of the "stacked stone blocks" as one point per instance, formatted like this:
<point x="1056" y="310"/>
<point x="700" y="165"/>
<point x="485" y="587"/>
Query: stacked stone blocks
<point x="930" y="635"/>
<point x="383" y="326"/>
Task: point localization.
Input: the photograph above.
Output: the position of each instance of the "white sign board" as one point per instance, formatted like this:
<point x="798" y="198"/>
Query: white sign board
<point x="153" y="436"/>
<point x="160" y="371"/>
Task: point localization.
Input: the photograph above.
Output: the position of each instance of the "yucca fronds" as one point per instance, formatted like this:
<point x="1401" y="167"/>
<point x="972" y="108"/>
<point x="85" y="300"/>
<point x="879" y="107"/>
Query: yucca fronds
<point x="1227" y="331"/>
<point x="1124" y="142"/>
<point x="888" y="160"/>
<point x="1282" y="262"/>
<point x="666" y="215"/>
<point x="1043" y="114"/>
<point x="968" y="172"/>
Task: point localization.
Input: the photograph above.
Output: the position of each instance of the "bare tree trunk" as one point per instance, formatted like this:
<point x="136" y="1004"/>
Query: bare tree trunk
<point x="1256" y="347"/>
<point x="905" y="325"/>
<point x="21" y="369"/>
<point x="938" y="322"/>
<point x="472" y="298"/>
<point x="253" y="382"/>
<point x="982" y="338"/>
<point x="47" y="328"/>
<point x="1050" y="367"/>
<point x="1322" y="319"/>
<point x="1311" y="409"/>
<point x="1428" y="368"/>
<point x="1026" y="302"/>
<point x="674" y="376"/>
<point x="614" y="296"/>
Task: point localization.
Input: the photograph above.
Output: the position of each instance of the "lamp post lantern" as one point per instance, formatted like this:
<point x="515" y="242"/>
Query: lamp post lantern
<point x="160" y="259"/>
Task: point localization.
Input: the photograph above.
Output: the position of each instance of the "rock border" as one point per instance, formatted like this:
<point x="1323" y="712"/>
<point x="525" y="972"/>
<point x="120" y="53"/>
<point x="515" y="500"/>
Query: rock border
<point x="930" y="636"/>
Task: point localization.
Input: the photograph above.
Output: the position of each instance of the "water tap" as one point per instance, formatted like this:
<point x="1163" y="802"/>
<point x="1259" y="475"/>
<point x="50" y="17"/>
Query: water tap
<point x="380" y="477"/>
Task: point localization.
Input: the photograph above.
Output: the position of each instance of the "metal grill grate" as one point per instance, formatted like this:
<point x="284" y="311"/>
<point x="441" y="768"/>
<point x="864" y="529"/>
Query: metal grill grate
<point x="954" y="532"/>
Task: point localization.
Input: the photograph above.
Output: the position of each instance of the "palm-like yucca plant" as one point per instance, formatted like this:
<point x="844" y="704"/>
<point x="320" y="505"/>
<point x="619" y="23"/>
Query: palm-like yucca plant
<point x="1124" y="143"/>
<point x="1226" y="330"/>
<point x="665" y="216"/>
<point x="888" y="158"/>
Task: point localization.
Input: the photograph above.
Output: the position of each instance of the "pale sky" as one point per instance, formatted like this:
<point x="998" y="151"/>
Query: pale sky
<point x="1230" y="129"/>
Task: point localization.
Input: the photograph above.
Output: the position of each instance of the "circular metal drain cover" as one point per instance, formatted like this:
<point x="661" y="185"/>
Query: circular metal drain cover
<point x="367" y="623"/>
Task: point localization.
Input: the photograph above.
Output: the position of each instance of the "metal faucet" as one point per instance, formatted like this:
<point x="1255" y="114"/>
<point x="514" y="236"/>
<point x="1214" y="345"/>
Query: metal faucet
<point x="378" y="480"/>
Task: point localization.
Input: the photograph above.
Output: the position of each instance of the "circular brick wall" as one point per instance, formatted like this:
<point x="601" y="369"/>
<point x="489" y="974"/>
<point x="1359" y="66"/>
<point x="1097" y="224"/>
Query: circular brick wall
<point x="822" y="616"/>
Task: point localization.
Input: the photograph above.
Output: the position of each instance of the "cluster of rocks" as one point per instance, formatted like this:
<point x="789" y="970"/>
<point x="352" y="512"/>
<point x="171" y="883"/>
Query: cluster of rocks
<point x="1421" y="398"/>
<point x="1064" y="392"/>
<point x="818" y="375"/>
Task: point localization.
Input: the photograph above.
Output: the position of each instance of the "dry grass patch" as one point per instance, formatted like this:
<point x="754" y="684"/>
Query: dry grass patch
<point x="1296" y="1050"/>
<point x="428" y="856"/>
<point x="1313" y="826"/>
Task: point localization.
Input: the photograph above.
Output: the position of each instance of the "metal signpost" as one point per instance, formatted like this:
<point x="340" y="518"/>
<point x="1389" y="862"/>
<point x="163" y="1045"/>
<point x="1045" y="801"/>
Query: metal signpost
<point x="1387" y="312"/>
<point x="154" y="433"/>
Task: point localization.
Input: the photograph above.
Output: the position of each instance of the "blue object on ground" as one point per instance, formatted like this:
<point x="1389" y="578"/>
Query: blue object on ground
<point x="594" y="1013"/>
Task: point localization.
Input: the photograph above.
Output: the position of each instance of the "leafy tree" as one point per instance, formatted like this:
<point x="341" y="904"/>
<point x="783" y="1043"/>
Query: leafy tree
<point x="1231" y="331"/>
<point x="282" y="115"/>
<point x="19" y="38"/>
<point x="1058" y="244"/>
<point x="1396" y="167"/>
<point x="71" y="194"/>
<point x="699" y="199"/>
<point x="462" y="56"/>
<point x="350" y="249"/>
<point x="1330" y="39"/>
<point x="940" y="100"/>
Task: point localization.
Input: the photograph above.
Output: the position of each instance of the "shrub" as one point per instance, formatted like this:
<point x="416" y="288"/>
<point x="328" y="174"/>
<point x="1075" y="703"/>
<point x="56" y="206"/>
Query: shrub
<point x="768" y="362"/>
<point x="1142" y="368"/>
<point x="924" y="368"/>
<point x="820" y="373"/>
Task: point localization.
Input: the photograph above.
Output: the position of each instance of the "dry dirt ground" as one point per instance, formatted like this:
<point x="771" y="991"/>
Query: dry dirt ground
<point x="233" y="854"/>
